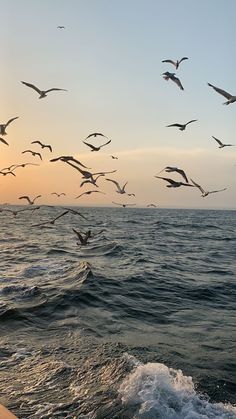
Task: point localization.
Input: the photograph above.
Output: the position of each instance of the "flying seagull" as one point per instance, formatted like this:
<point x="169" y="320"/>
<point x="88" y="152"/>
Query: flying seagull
<point x="3" y="141"/>
<point x="15" y="212"/>
<point x="68" y="159"/>
<point x="95" y="134"/>
<point x="173" y="183"/>
<point x="93" y="148"/>
<point x="42" y="93"/>
<point x="231" y="99"/>
<point x="58" y="194"/>
<point x="175" y="63"/>
<point x="4" y="126"/>
<point x="83" y="237"/>
<point x="151" y="205"/>
<point x="61" y="27"/>
<point x="31" y="202"/>
<point x="221" y="145"/>
<point x="123" y="205"/>
<point x="206" y="193"/>
<point x="25" y="164"/>
<point x="51" y="221"/>
<point x="170" y="169"/>
<point x="33" y="153"/>
<point x="120" y="189"/>
<point x="182" y="127"/>
<point x="42" y="145"/>
<point x="114" y="157"/>
<point x="88" y="193"/>
<point x="7" y="173"/>
<point x="171" y="76"/>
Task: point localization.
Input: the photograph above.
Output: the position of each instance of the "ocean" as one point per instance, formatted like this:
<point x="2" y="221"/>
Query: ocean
<point x="137" y="324"/>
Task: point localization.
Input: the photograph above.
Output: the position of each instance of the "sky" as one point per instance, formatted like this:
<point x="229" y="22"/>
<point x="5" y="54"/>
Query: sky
<point x="109" y="58"/>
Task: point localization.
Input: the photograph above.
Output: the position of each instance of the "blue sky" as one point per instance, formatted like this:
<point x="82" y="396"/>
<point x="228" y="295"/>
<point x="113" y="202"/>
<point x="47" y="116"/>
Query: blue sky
<point x="109" y="58"/>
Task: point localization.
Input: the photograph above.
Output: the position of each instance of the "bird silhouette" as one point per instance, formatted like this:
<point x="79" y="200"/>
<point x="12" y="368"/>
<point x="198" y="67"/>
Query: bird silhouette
<point x="42" y="145"/>
<point x="221" y="145"/>
<point x="170" y="169"/>
<point x="173" y="183"/>
<point x="123" y="205"/>
<point x="95" y="134"/>
<point x="120" y="189"/>
<point x="31" y="202"/>
<point x="172" y="77"/>
<point x="33" y="153"/>
<point x="206" y="193"/>
<point x="231" y="98"/>
<point x="94" y="148"/>
<point x="3" y="141"/>
<point x="175" y="63"/>
<point x="42" y="93"/>
<point x="182" y="127"/>
<point x="4" y="126"/>
<point x="88" y="193"/>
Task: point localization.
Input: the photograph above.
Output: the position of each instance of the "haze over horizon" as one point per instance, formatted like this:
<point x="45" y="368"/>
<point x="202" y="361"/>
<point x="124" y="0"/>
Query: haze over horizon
<point x="109" y="58"/>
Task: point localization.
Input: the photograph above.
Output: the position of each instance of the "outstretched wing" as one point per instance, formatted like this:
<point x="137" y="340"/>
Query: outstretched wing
<point x="10" y="120"/>
<point x="221" y="91"/>
<point x="54" y="88"/>
<point x="25" y="197"/>
<point x="3" y="141"/>
<point x="37" y="142"/>
<point x="167" y="179"/>
<point x="114" y="181"/>
<point x="95" y="134"/>
<point x="182" y="173"/>
<point x="192" y="120"/>
<point x="198" y="186"/>
<point x="32" y="87"/>
<point x="219" y="190"/>
<point x="90" y="145"/>
<point x="177" y="81"/>
<point x="174" y="125"/>
<point x="108" y="142"/>
<point x="182" y="59"/>
<point x="218" y="141"/>
<point x="169" y="61"/>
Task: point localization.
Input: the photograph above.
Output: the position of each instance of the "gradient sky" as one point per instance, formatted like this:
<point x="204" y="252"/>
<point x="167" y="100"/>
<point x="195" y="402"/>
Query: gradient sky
<point x="109" y="58"/>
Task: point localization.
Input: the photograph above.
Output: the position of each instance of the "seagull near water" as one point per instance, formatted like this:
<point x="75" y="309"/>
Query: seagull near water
<point x="175" y="63"/>
<point x="205" y="193"/>
<point x="123" y="205"/>
<point x="172" y="77"/>
<point x="173" y="183"/>
<point x="42" y="145"/>
<point x="231" y="98"/>
<point x="88" y="193"/>
<point x="31" y="202"/>
<point x="58" y="194"/>
<point x="4" y="126"/>
<point x="120" y="189"/>
<point x="182" y="127"/>
<point x="221" y="145"/>
<point x="42" y="93"/>
<point x="170" y="169"/>
<point x="94" y="148"/>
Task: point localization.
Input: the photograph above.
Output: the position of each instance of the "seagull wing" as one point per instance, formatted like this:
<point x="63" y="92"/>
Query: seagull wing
<point x="174" y="125"/>
<point x="115" y="183"/>
<point x="91" y="146"/>
<point x="221" y="91"/>
<point x="59" y="216"/>
<point x="169" y="61"/>
<point x="55" y="88"/>
<point x="167" y="179"/>
<point x="198" y="186"/>
<point x="95" y="134"/>
<point x="10" y="120"/>
<point x="38" y="196"/>
<point x="32" y="87"/>
<point x="37" y="142"/>
<point x="108" y="142"/>
<point x="48" y="146"/>
<point x="116" y="203"/>
<point x="3" y="141"/>
<point x="219" y="190"/>
<point x="182" y="59"/>
<point x="26" y="151"/>
<point x="177" y="81"/>
<point x="25" y="197"/>
<point x="218" y="141"/>
<point x="182" y="173"/>
<point x="192" y="120"/>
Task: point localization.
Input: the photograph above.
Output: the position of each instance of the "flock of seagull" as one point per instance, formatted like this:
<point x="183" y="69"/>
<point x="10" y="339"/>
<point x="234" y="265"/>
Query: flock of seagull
<point x="90" y="178"/>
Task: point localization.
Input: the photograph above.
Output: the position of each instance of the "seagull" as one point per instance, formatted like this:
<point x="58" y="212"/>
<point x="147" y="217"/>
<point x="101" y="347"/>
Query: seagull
<point x="93" y="148"/>
<point x="92" y="180"/>
<point x="3" y="141"/>
<point x="29" y="200"/>
<point x="42" y="145"/>
<point x="231" y="99"/>
<point x="114" y="157"/>
<point x="221" y="145"/>
<point x="4" y="126"/>
<point x="119" y="189"/>
<point x="170" y="169"/>
<point x="32" y="152"/>
<point x="20" y="210"/>
<point x="61" y="27"/>
<point x="10" y="167"/>
<point x="131" y="194"/>
<point x="88" y="193"/>
<point x="123" y="205"/>
<point x="173" y="183"/>
<point x="51" y="221"/>
<point x="7" y="173"/>
<point x="205" y="193"/>
<point x="151" y="205"/>
<point x="82" y="238"/>
<point x="95" y="134"/>
<point x="175" y="63"/>
<point x="67" y="159"/>
<point x="58" y="194"/>
<point x="42" y="93"/>
<point x="182" y="127"/>
<point x="25" y="164"/>
<point x="171" y="76"/>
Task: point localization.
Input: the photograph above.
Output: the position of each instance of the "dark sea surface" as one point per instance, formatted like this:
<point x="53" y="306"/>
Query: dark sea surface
<point x="140" y="323"/>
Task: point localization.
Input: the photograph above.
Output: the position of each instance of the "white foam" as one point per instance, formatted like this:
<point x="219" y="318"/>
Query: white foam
<point x="165" y="393"/>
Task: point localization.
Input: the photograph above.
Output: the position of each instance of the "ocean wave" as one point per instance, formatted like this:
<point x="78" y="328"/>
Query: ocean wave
<point x="165" y="393"/>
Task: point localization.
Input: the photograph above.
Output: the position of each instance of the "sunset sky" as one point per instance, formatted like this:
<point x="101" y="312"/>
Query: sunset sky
<point x="109" y="58"/>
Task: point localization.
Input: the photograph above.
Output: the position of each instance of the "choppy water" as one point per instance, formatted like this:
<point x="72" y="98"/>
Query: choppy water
<point x="140" y="323"/>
